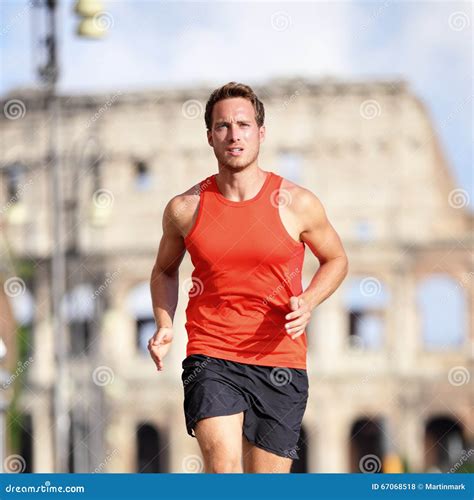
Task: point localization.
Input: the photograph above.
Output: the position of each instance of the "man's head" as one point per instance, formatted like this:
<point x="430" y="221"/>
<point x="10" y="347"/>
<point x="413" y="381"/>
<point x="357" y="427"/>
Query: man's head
<point x="235" y="125"/>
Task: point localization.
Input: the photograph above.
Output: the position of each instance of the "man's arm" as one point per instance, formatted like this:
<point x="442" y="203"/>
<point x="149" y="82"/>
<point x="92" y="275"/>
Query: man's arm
<point x="321" y="237"/>
<point x="165" y="275"/>
<point x="164" y="281"/>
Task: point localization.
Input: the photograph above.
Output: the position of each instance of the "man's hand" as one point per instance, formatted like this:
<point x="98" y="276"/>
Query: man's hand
<point x="301" y="314"/>
<point x="159" y="345"/>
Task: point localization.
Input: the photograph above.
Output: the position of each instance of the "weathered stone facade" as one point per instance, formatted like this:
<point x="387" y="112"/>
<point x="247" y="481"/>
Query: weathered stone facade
<point x="368" y="150"/>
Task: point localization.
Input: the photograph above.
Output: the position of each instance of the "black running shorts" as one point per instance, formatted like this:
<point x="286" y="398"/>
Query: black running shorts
<point x="273" y="399"/>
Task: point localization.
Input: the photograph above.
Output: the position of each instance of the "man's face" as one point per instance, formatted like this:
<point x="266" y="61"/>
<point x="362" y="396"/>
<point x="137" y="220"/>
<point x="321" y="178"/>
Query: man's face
<point x="235" y="135"/>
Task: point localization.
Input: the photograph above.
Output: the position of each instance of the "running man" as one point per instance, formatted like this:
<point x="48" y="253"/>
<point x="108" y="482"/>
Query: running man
<point x="245" y="228"/>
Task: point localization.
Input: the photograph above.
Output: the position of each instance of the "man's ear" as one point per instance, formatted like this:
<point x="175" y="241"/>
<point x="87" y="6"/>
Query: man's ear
<point x="261" y="133"/>
<point x="209" y="138"/>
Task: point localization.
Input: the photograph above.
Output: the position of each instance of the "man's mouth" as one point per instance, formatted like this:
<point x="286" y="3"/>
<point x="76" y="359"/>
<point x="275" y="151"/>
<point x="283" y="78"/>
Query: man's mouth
<point x="235" y="151"/>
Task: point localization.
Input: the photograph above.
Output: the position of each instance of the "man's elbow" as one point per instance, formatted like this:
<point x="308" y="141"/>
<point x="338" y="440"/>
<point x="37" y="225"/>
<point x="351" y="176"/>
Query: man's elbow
<point x="170" y="272"/>
<point x="342" y="263"/>
<point x="344" y="266"/>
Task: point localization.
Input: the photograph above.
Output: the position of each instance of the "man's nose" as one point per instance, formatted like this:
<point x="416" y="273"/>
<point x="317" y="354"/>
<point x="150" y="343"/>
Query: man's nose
<point x="234" y="132"/>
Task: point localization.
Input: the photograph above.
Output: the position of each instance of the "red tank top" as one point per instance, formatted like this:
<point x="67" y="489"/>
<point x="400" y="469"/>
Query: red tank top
<point x="246" y="268"/>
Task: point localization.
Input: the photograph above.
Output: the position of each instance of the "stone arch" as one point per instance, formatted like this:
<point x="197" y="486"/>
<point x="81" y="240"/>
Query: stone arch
<point x="152" y="452"/>
<point x="444" y="443"/>
<point x="366" y="445"/>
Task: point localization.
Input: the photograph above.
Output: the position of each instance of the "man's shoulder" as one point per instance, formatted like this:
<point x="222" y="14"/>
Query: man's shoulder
<point x="300" y="199"/>
<point x="182" y="207"/>
<point x="193" y="193"/>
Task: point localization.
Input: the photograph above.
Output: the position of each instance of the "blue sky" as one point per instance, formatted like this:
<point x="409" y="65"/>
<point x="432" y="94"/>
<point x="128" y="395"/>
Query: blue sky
<point x="156" y="43"/>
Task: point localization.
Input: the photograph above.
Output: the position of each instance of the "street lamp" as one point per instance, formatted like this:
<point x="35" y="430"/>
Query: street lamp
<point x="90" y="26"/>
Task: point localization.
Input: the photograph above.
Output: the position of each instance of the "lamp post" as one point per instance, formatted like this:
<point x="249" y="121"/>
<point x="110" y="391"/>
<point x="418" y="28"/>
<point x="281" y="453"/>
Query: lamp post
<point x="49" y="74"/>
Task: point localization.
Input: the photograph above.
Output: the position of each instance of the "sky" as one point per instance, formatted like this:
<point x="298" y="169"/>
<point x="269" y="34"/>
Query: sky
<point x="155" y="44"/>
